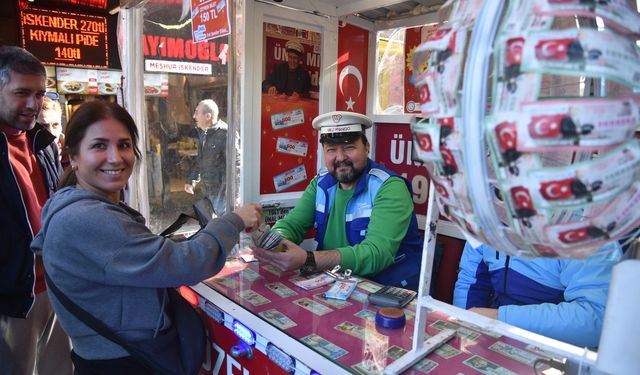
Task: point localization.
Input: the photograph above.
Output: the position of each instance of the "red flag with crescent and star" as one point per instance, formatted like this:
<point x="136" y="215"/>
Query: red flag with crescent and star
<point x="353" y="53"/>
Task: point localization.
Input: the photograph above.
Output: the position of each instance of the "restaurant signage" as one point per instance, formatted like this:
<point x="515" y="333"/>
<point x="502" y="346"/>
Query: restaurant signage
<point x="64" y="38"/>
<point x="209" y="19"/>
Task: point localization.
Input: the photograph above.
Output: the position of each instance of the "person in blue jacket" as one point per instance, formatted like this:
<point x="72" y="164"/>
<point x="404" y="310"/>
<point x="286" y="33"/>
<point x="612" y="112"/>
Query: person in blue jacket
<point x="559" y="298"/>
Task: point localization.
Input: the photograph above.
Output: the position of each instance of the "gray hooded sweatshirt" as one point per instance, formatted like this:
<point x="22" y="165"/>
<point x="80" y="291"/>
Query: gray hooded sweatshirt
<point x="103" y="257"/>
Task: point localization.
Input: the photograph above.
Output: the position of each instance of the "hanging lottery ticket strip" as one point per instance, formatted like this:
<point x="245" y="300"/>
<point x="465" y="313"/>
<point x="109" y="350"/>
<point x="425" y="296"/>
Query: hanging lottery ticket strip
<point x="529" y="111"/>
<point x="539" y="159"/>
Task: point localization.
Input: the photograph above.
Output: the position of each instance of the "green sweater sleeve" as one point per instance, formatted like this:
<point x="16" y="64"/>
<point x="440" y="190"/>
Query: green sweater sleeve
<point x="389" y="222"/>
<point x="295" y="225"/>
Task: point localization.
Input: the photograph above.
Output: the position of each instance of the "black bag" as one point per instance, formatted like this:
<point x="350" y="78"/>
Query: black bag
<point x="180" y="350"/>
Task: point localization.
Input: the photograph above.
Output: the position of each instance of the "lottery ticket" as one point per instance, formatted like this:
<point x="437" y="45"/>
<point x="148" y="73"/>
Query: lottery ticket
<point x="289" y="178"/>
<point x="313" y="282"/>
<point x="286" y="119"/>
<point x="314" y="307"/>
<point x="277" y="318"/>
<point x="292" y="146"/>
<point x="324" y="346"/>
<point x="340" y="290"/>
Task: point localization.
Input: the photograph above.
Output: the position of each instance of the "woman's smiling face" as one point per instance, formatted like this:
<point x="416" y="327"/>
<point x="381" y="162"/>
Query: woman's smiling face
<point x="105" y="158"/>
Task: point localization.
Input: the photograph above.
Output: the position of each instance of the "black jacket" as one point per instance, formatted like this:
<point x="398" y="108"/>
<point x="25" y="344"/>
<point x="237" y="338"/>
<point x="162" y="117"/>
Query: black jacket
<point x="211" y="161"/>
<point x="16" y="259"/>
<point x="286" y="82"/>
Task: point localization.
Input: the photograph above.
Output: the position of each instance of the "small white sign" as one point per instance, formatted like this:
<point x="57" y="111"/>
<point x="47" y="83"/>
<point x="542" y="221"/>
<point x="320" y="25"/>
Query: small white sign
<point x="179" y="67"/>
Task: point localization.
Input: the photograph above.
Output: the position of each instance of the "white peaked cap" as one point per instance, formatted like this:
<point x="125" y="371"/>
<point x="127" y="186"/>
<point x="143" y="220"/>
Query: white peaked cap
<point x="341" y="122"/>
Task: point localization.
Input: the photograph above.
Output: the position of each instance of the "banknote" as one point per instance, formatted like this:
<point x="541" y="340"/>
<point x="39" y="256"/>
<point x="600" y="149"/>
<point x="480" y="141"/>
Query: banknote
<point x="277" y="318"/>
<point x="351" y="329"/>
<point x="314" y="307"/>
<point x="369" y="287"/>
<point x="324" y="346"/>
<point x="366" y="315"/>
<point x="517" y="354"/>
<point x="465" y="333"/>
<point x="281" y="289"/>
<point x="253" y="298"/>
<point x="486" y="367"/>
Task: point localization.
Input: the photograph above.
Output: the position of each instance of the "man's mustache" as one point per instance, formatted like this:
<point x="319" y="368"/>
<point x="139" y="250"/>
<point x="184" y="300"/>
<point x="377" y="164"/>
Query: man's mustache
<point x="344" y="163"/>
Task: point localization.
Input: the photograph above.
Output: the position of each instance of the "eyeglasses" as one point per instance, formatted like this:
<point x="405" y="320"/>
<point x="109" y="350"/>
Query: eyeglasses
<point x="52" y="95"/>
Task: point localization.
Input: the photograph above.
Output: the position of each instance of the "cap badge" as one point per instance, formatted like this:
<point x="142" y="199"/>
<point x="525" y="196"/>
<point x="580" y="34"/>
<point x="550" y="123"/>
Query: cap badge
<point x="336" y="118"/>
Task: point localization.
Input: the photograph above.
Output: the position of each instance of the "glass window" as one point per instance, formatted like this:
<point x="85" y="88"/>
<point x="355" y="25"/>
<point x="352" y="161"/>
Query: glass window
<point x="390" y="71"/>
<point x="186" y="116"/>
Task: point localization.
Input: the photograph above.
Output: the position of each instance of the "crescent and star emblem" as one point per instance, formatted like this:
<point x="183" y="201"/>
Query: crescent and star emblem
<point x="346" y="71"/>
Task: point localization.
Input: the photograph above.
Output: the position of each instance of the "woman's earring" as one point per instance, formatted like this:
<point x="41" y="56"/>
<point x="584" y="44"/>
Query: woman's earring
<point x="74" y="168"/>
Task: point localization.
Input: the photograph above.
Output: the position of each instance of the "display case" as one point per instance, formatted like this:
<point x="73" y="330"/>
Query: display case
<point x="261" y="322"/>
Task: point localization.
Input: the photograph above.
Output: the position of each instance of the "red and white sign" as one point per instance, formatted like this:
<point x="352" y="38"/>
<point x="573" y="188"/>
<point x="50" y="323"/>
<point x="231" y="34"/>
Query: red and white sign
<point x="353" y="51"/>
<point x="394" y="146"/>
<point x="209" y="19"/>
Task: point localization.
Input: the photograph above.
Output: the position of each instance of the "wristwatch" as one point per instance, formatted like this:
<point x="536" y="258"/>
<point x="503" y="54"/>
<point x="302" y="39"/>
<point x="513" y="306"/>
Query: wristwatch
<point x="309" y="265"/>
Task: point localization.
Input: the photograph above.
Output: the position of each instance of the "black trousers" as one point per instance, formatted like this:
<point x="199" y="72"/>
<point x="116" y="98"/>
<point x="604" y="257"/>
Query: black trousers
<point x="119" y="366"/>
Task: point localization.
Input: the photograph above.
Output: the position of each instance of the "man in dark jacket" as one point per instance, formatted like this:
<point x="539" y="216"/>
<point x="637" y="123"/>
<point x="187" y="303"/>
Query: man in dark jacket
<point x="209" y="169"/>
<point x="289" y="78"/>
<point x="31" y="339"/>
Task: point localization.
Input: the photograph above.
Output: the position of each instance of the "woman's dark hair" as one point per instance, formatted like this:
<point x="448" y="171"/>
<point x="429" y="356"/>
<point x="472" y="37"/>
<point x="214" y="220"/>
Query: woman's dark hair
<point x="87" y="114"/>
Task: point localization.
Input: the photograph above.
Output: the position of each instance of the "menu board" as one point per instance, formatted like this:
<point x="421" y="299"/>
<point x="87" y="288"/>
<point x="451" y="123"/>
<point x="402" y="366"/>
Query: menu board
<point x="156" y="84"/>
<point x="64" y="38"/>
<point x="87" y="81"/>
<point x="77" y="81"/>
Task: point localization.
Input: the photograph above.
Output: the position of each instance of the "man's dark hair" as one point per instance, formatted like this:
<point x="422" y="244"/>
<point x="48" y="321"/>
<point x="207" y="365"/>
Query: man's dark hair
<point x="18" y="60"/>
<point x="343" y="138"/>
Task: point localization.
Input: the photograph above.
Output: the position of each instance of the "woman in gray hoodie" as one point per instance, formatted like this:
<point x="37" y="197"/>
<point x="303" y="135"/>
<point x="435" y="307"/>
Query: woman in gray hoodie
<point x="99" y="252"/>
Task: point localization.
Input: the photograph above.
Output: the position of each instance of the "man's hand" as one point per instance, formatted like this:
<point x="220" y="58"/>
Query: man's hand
<point x="291" y="259"/>
<point x="188" y="188"/>
<point x="489" y="313"/>
<point x="272" y="90"/>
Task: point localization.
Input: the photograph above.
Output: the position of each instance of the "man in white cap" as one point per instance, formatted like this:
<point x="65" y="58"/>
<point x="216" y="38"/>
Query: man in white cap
<point x="289" y="78"/>
<point x="362" y="212"/>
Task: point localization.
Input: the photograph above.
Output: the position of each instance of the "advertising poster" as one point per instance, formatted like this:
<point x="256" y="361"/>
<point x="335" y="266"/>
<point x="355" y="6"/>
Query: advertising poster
<point x="353" y="53"/>
<point x="209" y="19"/>
<point x="173" y="50"/>
<point x="393" y="150"/>
<point x="414" y="36"/>
<point x="291" y="73"/>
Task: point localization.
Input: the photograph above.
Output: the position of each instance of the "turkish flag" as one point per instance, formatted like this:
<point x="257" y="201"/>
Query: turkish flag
<point x="557" y="190"/>
<point x="522" y="198"/>
<point x="553" y="49"/>
<point x="574" y="235"/>
<point x="514" y="51"/>
<point x="507" y="134"/>
<point x="545" y="126"/>
<point x="353" y="50"/>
